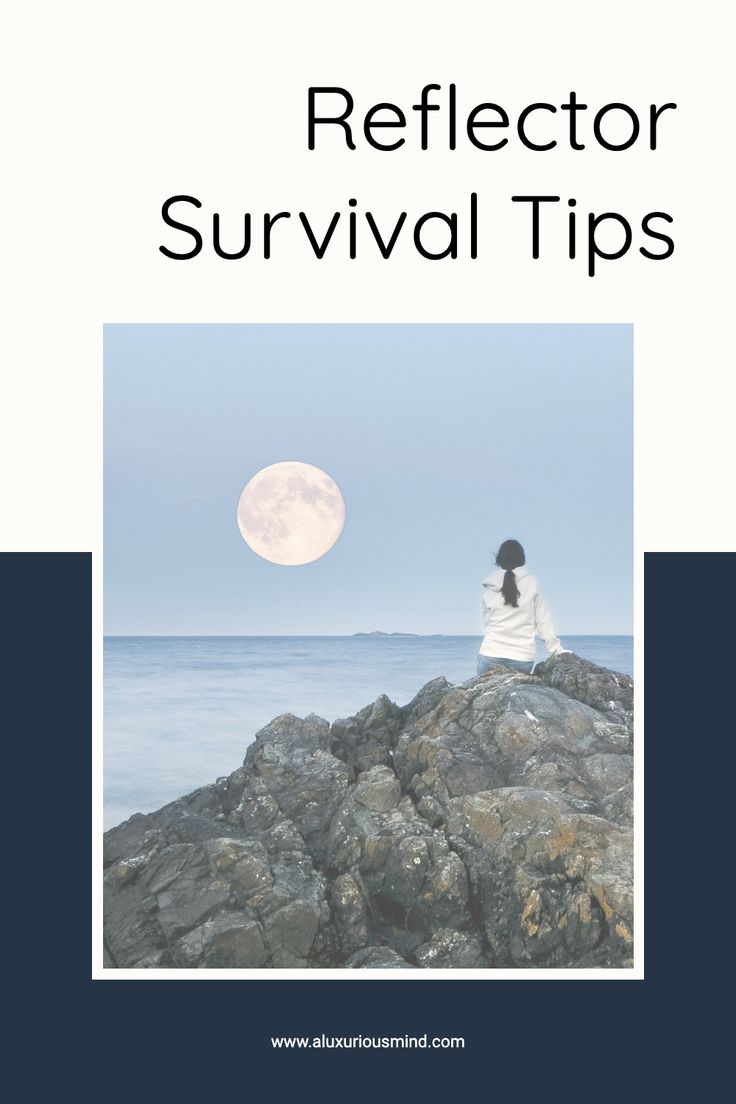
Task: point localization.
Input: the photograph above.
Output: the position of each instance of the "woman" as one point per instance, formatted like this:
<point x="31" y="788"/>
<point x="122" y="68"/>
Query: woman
<point x="514" y="612"/>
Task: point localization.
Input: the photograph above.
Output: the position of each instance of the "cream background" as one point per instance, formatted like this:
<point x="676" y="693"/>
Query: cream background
<point x="111" y="109"/>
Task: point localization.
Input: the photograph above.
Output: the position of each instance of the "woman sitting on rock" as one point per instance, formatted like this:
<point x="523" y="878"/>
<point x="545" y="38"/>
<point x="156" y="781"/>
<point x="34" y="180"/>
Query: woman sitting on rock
<point x="515" y="611"/>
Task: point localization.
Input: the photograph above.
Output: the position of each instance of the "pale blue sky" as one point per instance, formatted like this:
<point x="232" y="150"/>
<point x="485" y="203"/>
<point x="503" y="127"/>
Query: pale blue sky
<point x="444" y="439"/>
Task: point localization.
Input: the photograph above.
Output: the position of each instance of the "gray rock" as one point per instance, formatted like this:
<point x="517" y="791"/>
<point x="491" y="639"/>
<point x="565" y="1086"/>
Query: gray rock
<point x="611" y="693"/>
<point x="306" y="781"/>
<point x="481" y="825"/>
<point x="509" y="729"/>
<point x="414" y="881"/>
<point x="228" y="940"/>
<point x="377" y="958"/>
<point x="182" y="901"/>
<point x="188" y="819"/>
<point x="448" y="949"/>
<point x="554" y="884"/>
<point x="427" y="699"/>
<point x="351" y="913"/>
<point x="366" y="740"/>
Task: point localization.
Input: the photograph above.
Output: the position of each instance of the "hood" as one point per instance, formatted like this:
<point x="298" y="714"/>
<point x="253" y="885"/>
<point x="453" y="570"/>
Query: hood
<point x="495" y="579"/>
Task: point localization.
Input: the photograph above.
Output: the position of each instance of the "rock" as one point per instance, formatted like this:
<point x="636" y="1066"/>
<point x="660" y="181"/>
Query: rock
<point x="413" y="880"/>
<point x="366" y="740"/>
<point x="306" y="781"/>
<point x="482" y="825"/>
<point x="351" y="913"/>
<point x="228" y="901"/>
<point x="230" y="939"/>
<point x="451" y="949"/>
<point x="183" y="820"/>
<point x="509" y="729"/>
<point x="427" y="699"/>
<point x="377" y="958"/>
<point x="607" y="691"/>
<point x="553" y="883"/>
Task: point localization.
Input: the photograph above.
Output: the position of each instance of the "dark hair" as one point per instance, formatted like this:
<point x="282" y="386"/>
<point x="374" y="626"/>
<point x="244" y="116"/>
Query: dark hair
<point x="509" y="556"/>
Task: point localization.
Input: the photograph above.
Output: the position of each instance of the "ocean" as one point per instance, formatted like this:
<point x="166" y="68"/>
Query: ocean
<point x="181" y="711"/>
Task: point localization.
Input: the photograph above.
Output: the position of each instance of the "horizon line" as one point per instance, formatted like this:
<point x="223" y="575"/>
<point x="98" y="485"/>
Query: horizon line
<point x="344" y="636"/>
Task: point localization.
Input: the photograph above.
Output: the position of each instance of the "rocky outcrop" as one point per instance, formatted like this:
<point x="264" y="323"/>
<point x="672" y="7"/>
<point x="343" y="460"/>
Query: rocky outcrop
<point x="483" y="825"/>
<point x="610" y="693"/>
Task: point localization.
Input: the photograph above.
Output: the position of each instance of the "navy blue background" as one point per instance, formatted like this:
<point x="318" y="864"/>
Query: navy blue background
<point x="186" y="1040"/>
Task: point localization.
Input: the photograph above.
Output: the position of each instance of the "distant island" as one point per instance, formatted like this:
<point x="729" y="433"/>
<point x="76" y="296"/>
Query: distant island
<point x="377" y="632"/>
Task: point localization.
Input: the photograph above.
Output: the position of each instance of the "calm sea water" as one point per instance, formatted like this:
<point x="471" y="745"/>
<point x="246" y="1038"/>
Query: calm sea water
<point x="180" y="711"/>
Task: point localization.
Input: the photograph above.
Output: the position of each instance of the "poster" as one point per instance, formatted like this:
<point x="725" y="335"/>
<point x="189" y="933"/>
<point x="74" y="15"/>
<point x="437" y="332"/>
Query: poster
<point x="403" y="167"/>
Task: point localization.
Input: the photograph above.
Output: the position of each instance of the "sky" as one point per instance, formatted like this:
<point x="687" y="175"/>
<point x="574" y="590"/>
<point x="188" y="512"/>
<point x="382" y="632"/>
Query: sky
<point x="443" y="439"/>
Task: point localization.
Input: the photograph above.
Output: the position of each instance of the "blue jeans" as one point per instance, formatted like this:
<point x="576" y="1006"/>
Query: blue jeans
<point x="486" y="662"/>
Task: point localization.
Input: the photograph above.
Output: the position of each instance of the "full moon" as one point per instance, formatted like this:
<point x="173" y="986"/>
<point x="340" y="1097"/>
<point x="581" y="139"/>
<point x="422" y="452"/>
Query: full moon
<point x="291" y="513"/>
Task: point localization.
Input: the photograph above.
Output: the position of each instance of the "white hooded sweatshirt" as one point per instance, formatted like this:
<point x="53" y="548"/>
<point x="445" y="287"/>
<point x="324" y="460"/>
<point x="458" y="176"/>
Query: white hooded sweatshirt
<point x="511" y="630"/>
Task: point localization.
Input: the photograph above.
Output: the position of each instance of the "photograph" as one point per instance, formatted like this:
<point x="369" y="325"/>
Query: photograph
<point x="368" y="648"/>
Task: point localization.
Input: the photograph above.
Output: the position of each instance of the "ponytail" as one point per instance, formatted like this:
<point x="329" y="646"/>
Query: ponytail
<point x="509" y="556"/>
<point x="510" y="590"/>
